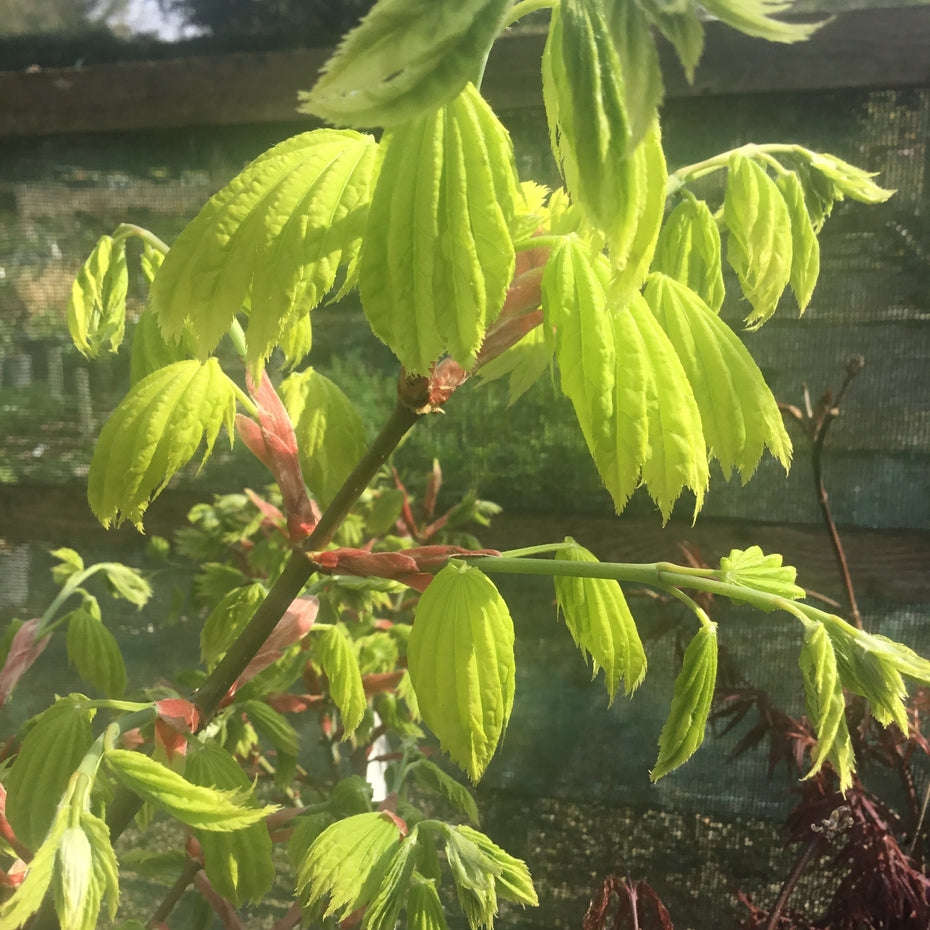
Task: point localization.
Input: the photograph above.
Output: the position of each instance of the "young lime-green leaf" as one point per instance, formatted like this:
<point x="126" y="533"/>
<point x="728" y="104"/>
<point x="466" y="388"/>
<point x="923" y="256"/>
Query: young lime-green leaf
<point x="347" y="862"/>
<point x="71" y="564"/>
<point x="238" y="863"/>
<point x="680" y="24"/>
<point x="805" y="248"/>
<point x="227" y="620"/>
<point x="739" y="415"/>
<point x="97" y="308"/>
<point x="585" y="97"/>
<point x="683" y="732"/>
<point x="86" y="873"/>
<point x="688" y="250"/>
<point x="511" y="877"/>
<point x="826" y="705"/>
<point x="150" y="260"/>
<point x="424" y="909"/>
<point x="156" y="429"/>
<point x="751" y="568"/>
<point x="525" y="362"/>
<point x="639" y="65"/>
<point x="630" y="269"/>
<point x="127" y="583"/>
<point x="384" y="909"/>
<point x="336" y="656"/>
<point x="597" y="616"/>
<point x="50" y="753"/>
<point x="272" y="726"/>
<point x="330" y="434"/>
<point x="847" y="180"/>
<point x="462" y="664"/>
<point x="93" y="650"/>
<point x="759" y="245"/>
<point x="28" y="897"/>
<point x="150" y="349"/>
<point x="195" y="805"/>
<point x="754" y="17"/>
<point x="473" y="872"/>
<point x="674" y="456"/>
<point x="275" y="236"/>
<point x="904" y="659"/>
<point x="429" y="775"/>
<point x="405" y="58"/>
<point x="297" y="341"/>
<point x="438" y="257"/>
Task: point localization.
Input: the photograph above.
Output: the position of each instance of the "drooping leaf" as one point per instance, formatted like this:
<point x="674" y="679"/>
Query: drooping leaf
<point x="126" y="582"/>
<point x="227" y="620"/>
<point x="337" y="658"/>
<point x="150" y="349"/>
<point x="197" y="806"/>
<point x="150" y="260"/>
<point x="384" y="908"/>
<point x="70" y="561"/>
<point x="346" y="863"/>
<point x="273" y="726"/>
<point x="297" y="341"/>
<point x="97" y="308"/>
<point x="751" y="568"/>
<point x="473" y="873"/>
<point x="679" y="23"/>
<point x="429" y="775"/>
<point x="511" y="877"/>
<point x="28" y="897"/>
<point x="805" y="247"/>
<point x="826" y="705"/>
<point x="156" y="429"/>
<point x="525" y="362"/>
<point x="275" y="236"/>
<point x="688" y="250"/>
<point x="424" y="909"/>
<point x="93" y="650"/>
<point x="759" y="244"/>
<point x="683" y="731"/>
<point x="330" y="434"/>
<point x="461" y="663"/>
<point x="50" y="753"/>
<point x="86" y="872"/>
<point x="438" y="256"/>
<point x="405" y="58"/>
<point x="847" y="180"/>
<point x="739" y="415"/>
<point x="597" y="616"/>
<point x="238" y="862"/>
<point x="754" y="17"/>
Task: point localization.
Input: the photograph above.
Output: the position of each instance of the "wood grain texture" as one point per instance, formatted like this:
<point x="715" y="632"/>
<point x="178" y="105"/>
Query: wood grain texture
<point x="864" y="48"/>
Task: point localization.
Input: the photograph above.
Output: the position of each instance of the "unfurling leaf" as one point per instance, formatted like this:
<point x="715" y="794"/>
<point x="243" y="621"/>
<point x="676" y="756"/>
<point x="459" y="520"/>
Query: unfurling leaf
<point x="97" y="308"/>
<point x="384" y="909"/>
<point x="438" y="257"/>
<point x="330" y="434"/>
<point x="688" y="250"/>
<point x="238" y="862"/>
<point x="462" y="664"/>
<point x="739" y="415"/>
<point x="405" y="58"/>
<point x="86" y="872"/>
<point x="50" y="753"/>
<point x="847" y="180"/>
<point x="126" y="582"/>
<point x="429" y="775"/>
<point x="597" y="616"/>
<point x="93" y="650"/>
<point x="805" y="247"/>
<point x="759" y="244"/>
<point x="157" y="428"/>
<point x="754" y="17"/>
<point x="197" y="806"/>
<point x="227" y="620"/>
<point x="680" y="24"/>
<point x="274" y="238"/>
<point x="683" y="732"/>
<point x="424" y="909"/>
<point x="826" y="705"/>
<point x="750" y="568"/>
<point x="346" y="863"/>
<point x="337" y="658"/>
<point x="511" y="877"/>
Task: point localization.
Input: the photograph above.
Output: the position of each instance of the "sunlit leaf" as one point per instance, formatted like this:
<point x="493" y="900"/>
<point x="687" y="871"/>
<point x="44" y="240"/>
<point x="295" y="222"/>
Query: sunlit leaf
<point x="751" y="568"/>
<point x="848" y="180"/>
<point x="597" y="616"/>
<point x="346" y="863"/>
<point x="462" y="664"/>
<point x="86" y="872"/>
<point x="511" y="876"/>
<point x="759" y="244"/>
<point x="275" y="236"/>
<point x="826" y="705"/>
<point x="227" y="620"/>
<point x="739" y="414"/>
<point x="438" y="257"/>
<point x="424" y="909"/>
<point x="50" y="753"/>
<point x="431" y="776"/>
<point x="157" y="428"/>
<point x="336" y="656"/>
<point x="330" y="434"/>
<point x="805" y="248"/>
<point x="680" y="24"/>
<point x="195" y="805"/>
<point x="404" y="59"/>
<point x="683" y="731"/>
<point x="384" y="909"/>
<point x="97" y="308"/>
<point x="754" y="17"/>
<point x="93" y="650"/>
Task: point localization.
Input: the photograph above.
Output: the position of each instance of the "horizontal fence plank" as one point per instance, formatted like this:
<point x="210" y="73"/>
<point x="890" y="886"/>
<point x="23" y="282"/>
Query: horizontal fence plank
<point x="864" y="48"/>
